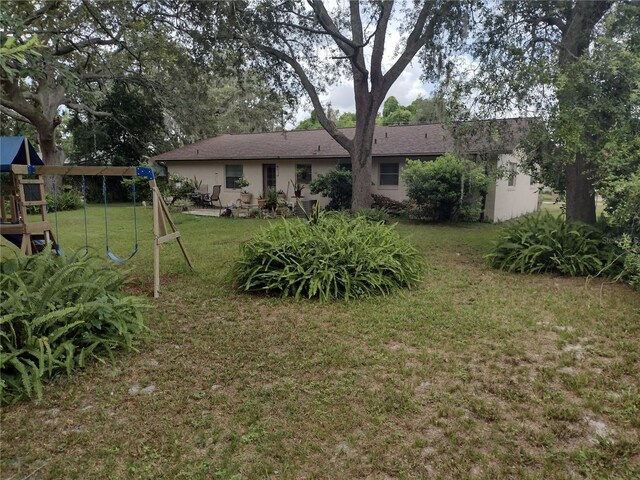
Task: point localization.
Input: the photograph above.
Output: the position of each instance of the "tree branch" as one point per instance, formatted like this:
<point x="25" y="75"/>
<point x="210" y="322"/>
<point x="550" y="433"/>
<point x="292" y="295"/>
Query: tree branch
<point x="115" y="37"/>
<point x="41" y="11"/>
<point x="356" y="23"/>
<point x="13" y="114"/>
<point x="351" y="48"/>
<point x="13" y="99"/>
<point x="417" y="39"/>
<point x="302" y="28"/>
<point x="358" y="38"/>
<point x="537" y="39"/>
<point x="81" y="107"/>
<point x="378" y="44"/>
<point x="328" y="125"/>
<point x="60" y="51"/>
<point x="345" y="44"/>
<point x="554" y="22"/>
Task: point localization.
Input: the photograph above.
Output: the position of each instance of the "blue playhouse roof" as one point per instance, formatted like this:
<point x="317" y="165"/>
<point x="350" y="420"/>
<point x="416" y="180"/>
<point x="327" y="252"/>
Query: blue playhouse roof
<point x="12" y="152"/>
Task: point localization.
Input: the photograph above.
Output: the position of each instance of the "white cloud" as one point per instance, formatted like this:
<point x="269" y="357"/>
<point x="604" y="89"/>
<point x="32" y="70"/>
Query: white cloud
<point x="409" y="86"/>
<point x="406" y="89"/>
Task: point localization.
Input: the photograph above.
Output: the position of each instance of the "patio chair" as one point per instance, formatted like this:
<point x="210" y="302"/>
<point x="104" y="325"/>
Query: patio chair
<point x="198" y="197"/>
<point x="212" y="197"/>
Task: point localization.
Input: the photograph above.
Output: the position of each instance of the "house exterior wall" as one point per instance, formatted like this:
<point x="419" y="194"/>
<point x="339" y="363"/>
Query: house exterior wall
<point x="511" y="199"/>
<point x="394" y="192"/>
<point x="502" y="203"/>
<point x="212" y="172"/>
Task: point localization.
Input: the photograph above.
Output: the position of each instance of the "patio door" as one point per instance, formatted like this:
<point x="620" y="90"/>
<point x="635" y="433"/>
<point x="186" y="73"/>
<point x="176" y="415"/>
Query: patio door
<point x="268" y="177"/>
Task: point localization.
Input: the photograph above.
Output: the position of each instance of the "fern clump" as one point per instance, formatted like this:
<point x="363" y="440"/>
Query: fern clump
<point x="544" y="243"/>
<point x="334" y="256"/>
<point x="56" y="313"/>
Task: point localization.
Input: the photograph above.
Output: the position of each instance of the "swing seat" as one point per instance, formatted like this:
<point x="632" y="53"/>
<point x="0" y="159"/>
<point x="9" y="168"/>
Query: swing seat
<point x="117" y="259"/>
<point x="110" y="254"/>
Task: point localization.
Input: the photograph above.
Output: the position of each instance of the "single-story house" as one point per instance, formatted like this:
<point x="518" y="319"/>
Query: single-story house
<point x="275" y="159"/>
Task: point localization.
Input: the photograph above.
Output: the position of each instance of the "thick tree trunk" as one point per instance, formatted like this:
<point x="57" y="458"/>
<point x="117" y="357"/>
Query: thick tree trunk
<point x="575" y="42"/>
<point x="361" y="170"/>
<point x="367" y="105"/>
<point x="41" y="111"/>
<point x="581" y="203"/>
<point x="51" y="155"/>
<point x="361" y="163"/>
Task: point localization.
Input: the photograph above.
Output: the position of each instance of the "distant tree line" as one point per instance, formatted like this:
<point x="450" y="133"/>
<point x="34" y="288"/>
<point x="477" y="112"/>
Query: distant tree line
<point x="420" y="111"/>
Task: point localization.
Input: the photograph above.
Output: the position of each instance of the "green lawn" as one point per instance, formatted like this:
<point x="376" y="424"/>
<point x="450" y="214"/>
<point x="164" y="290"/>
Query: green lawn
<point x="474" y="374"/>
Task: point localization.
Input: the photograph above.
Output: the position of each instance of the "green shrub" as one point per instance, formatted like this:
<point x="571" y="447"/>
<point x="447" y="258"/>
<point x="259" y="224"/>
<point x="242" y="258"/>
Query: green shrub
<point x="621" y="192"/>
<point x="143" y="189"/>
<point x="254" y="213"/>
<point x="620" y="188"/>
<point x="393" y="208"/>
<point x="57" y="312"/>
<point x="67" y="199"/>
<point x="336" y="185"/>
<point x="375" y="214"/>
<point x="631" y="268"/>
<point x="271" y="198"/>
<point x="178" y="187"/>
<point x="335" y="256"/>
<point x="544" y="243"/>
<point x="181" y="205"/>
<point x="447" y="188"/>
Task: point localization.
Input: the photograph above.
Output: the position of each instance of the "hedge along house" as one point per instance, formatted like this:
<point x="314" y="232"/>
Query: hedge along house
<point x="275" y="160"/>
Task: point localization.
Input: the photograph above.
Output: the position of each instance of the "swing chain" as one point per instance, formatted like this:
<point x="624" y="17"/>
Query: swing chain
<point x="110" y="254"/>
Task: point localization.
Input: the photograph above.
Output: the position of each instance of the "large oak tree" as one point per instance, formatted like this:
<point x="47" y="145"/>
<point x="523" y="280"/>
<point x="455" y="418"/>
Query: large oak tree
<point x="79" y="46"/>
<point x="66" y="55"/>
<point x="527" y="56"/>
<point x="317" y="44"/>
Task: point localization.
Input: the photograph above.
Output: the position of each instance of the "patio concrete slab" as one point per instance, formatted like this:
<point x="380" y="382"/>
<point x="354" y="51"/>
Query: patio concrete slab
<point x="205" y="212"/>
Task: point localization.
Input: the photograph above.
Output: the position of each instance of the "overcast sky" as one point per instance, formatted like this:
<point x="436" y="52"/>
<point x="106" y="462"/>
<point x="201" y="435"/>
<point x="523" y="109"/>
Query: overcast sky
<point x="406" y="89"/>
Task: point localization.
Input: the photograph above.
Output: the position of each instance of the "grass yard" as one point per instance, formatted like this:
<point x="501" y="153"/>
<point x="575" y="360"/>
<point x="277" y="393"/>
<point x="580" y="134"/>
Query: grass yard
<point x="475" y="374"/>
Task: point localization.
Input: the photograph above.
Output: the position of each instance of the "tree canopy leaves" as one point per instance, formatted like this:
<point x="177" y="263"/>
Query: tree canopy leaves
<point x="531" y="57"/>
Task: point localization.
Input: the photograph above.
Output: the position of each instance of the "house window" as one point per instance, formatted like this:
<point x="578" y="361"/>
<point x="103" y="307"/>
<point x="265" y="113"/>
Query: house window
<point x="512" y="171"/>
<point x="389" y="174"/>
<point x="232" y="173"/>
<point x="303" y="173"/>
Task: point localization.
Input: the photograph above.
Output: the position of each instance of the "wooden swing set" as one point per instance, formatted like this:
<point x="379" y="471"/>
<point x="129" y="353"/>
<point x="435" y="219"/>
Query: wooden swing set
<point x="26" y="189"/>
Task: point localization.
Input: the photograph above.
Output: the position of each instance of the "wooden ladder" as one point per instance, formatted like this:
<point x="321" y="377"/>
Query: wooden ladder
<point x="35" y="235"/>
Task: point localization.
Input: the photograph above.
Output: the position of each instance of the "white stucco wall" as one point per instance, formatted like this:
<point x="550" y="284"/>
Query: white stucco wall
<point x="507" y="202"/>
<point x="395" y="192"/>
<point x="503" y="203"/>
<point x="213" y="173"/>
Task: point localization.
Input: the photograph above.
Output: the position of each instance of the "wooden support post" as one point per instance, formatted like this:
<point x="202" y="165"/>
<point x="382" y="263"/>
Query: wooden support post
<point x="156" y="238"/>
<point x="26" y="151"/>
<point x="165" y="211"/>
<point x="160" y="234"/>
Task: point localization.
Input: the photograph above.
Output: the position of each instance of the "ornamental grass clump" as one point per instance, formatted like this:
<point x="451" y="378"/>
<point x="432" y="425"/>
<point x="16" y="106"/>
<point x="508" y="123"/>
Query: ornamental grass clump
<point x="544" y="243"/>
<point x="57" y="313"/>
<point x="333" y="256"/>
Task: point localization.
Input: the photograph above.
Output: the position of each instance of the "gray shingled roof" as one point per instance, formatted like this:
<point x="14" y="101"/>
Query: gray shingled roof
<point x="408" y="140"/>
